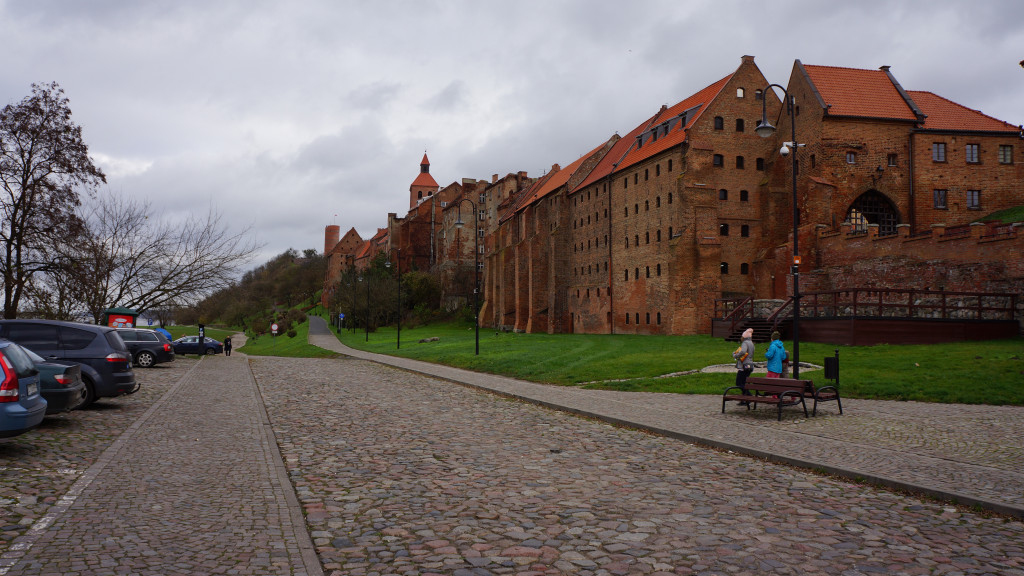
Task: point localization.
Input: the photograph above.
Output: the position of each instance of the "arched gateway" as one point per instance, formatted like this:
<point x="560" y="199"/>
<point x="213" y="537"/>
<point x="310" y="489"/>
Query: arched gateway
<point x="872" y="207"/>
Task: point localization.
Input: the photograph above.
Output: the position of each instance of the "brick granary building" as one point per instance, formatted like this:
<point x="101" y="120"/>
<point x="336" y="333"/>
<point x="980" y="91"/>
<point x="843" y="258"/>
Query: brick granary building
<point x="646" y="232"/>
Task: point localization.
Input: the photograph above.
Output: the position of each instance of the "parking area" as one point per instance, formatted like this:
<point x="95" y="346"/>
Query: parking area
<point x="38" y="467"/>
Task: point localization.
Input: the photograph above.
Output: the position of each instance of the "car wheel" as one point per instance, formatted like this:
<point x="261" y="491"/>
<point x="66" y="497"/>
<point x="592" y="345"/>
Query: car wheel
<point x="145" y="359"/>
<point x="90" y="393"/>
<point x="210" y="351"/>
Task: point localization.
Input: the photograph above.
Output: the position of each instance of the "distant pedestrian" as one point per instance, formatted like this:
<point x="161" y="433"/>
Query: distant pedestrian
<point x="227" y="346"/>
<point x="776" y="355"/>
<point x="744" y="356"/>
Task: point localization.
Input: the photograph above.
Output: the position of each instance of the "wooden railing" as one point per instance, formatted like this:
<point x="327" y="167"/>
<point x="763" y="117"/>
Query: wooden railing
<point x="867" y="302"/>
<point x="734" y="310"/>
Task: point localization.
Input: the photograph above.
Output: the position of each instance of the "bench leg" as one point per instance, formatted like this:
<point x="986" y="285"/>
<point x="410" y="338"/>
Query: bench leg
<point x="804" y="404"/>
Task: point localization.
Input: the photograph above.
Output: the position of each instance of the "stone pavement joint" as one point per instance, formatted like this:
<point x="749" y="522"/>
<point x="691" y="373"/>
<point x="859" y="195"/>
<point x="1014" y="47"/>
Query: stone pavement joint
<point x="965" y="454"/>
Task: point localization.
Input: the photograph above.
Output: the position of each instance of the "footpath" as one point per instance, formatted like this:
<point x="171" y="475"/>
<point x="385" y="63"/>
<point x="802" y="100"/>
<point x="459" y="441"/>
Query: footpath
<point x="965" y="454"/>
<point x="195" y="486"/>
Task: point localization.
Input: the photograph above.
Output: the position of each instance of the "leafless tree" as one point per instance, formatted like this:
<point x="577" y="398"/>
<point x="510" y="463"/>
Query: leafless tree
<point x="129" y="258"/>
<point x="44" y="164"/>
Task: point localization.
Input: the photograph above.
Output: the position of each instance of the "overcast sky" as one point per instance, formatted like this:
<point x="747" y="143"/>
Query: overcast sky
<point x="285" y="114"/>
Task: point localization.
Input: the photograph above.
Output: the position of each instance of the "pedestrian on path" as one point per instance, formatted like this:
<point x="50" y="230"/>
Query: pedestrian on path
<point x="744" y="356"/>
<point x="227" y="346"/>
<point x="776" y="355"/>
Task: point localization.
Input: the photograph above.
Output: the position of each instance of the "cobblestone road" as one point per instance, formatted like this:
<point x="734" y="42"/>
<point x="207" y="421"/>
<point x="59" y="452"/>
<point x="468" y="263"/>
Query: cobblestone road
<point x="193" y="486"/>
<point x="400" y="473"/>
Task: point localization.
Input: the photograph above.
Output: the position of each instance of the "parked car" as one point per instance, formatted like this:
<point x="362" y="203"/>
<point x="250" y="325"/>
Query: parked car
<point x="60" y="384"/>
<point x="148" y="347"/>
<point x="190" y="345"/>
<point x="21" y="406"/>
<point x="105" y="361"/>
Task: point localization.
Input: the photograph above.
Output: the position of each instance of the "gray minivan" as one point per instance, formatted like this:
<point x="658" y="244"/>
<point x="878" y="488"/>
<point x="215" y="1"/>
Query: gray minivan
<point x="104" y="358"/>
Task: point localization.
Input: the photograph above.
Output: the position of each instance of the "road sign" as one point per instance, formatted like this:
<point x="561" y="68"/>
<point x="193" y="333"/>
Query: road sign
<point x="342" y="316"/>
<point x="273" y="327"/>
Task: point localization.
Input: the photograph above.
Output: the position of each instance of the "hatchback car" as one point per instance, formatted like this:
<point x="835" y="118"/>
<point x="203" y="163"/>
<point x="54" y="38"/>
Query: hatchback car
<point x="60" y="384"/>
<point x="148" y="347"/>
<point x="21" y="406"/>
<point x="190" y="345"/>
<point x="105" y="361"/>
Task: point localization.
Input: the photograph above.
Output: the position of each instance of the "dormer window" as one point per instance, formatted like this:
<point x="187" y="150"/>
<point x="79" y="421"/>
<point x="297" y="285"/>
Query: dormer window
<point x="740" y="92"/>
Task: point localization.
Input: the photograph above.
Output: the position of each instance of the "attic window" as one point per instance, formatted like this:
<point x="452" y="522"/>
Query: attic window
<point x="758" y="95"/>
<point x="740" y="92"/>
<point x="719" y="123"/>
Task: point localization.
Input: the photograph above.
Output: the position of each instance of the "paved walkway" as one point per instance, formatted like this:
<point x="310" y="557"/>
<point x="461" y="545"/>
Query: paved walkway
<point x="968" y="454"/>
<point x="195" y="486"/>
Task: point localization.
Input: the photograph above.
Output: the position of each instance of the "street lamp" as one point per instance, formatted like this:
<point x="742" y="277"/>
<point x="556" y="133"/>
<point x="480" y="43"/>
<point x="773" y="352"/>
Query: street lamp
<point x="398" y="272"/>
<point x="476" y="264"/>
<point x="764" y="129"/>
<point x="367" y="320"/>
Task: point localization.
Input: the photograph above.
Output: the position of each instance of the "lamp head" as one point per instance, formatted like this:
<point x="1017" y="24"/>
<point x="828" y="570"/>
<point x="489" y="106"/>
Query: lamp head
<point x="764" y="129"/>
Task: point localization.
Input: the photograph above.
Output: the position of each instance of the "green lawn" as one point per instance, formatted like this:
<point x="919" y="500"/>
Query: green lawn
<point x="990" y="372"/>
<point x="282" y="345"/>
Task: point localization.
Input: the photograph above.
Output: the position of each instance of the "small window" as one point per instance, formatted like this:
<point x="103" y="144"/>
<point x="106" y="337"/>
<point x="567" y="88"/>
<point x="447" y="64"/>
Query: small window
<point x="638" y="318"/>
<point x="659" y="269"/>
<point x="657" y="202"/>
<point x="938" y="152"/>
<point x="758" y="95"/>
<point x="1005" y="154"/>
<point x="718" y="160"/>
<point x="723" y="229"/>
<point x="647" y="205"/>
<point x="627" y="318"/>
<point x="974" y="199"/>
<point x="891" y="160"/>
<point x="669" y="164"/>
<point x="971" y="153"/>
<point x="759" y="163"/>
<point x="669" y="197"/>
<point x="647" y="237"/>
<point x="745" y="231"/>
<point x="636" y="178"/>
<point x="657" y="235"/>
<point x="723" y="194"/>
<point x="739" y="124"/>
<point x="740" y="92"/>
<point x="724" y="268"/>
<point x="939" y="197"/>
<point x="744" y="268"/>
<point x="636" y="273"/>
<point x="648" y="271"/>
<point x="646" y="174"/>
<point x="851" y="157"/>
<point x="744" y="195"/>
<point x="636" y="240"/>
<point x="814" y="161"/>
<point x="719" y="123"/>
<point x="739" y="162"/>
<point x="657" y="169"/>
<point x="625" y="183"/>
<point x="659" y="318"/>
<point x="636" y="208"/>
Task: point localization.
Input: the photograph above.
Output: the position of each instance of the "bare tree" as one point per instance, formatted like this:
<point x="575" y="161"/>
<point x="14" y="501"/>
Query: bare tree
<point x="43" y="163"/>
<point x="129" y="258"/>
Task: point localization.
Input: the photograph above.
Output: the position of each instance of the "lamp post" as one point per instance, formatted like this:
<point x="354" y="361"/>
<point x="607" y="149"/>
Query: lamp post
<point x="765" y="130"/>
<point x="367" y="320"/>
<point x="476" y="266"/>
<point x="398" y="272"/>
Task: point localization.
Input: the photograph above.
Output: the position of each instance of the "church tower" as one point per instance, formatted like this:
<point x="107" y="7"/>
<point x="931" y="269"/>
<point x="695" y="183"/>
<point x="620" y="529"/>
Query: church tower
<point x="424" y="186"/>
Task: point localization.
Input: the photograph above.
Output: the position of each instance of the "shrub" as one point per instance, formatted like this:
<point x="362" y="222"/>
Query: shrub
<point x="292" y="333"/>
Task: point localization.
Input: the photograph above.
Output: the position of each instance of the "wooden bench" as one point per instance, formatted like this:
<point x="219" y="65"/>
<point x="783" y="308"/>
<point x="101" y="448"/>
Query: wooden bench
<point x="767" y="391"/>
<point x="808" y="389"/>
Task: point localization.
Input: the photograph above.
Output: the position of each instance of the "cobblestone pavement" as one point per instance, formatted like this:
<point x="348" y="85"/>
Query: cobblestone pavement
<point x="39" y="467"/>
<point x="967" y="454"/>
<point x="401" y="473"/>
<point x="192" y="486"/>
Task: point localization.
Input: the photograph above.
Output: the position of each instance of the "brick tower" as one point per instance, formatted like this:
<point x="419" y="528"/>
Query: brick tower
<point x="424" y="186"/>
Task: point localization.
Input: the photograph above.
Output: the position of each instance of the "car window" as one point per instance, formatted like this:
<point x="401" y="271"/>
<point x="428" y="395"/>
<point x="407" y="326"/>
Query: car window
<point x="147" y="337"/>
<point x="36" y="358"/>
<point x="128" y="335"/>
<point x="75" y="338"/>
<point x="40" y="336"/>
<point x="22" y="364"/>
<point x="114" y="339"/>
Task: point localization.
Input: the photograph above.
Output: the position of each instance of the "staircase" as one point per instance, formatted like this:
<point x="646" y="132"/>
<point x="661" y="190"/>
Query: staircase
<point x="762" y="329"/>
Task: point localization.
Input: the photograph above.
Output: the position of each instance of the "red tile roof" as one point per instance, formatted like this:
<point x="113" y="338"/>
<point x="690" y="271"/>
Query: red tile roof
<point x="558" y="178"/>
<point x="856" y="92"/>
<point x="425" y="179"/>
<point x="425" y="161"/>
<point x="676" y="133"/>
<point x="943" y="114"/>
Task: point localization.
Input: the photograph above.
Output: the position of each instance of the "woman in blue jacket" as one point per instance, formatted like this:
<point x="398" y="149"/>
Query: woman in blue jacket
<point x="775" y="354"/>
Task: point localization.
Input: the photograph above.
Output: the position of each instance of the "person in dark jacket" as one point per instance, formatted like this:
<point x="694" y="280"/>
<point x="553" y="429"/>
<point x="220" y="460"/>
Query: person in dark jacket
<point x="227" y="346"/>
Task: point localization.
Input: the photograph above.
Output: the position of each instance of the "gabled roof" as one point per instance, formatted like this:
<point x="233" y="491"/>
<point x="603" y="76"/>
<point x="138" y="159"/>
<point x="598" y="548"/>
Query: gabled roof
<point x="424" y="179"/>
<point x="943" y="114"/>
<point x="511" y="204"/>
<point x="860" y="93"/>
<point x="668" y="127"/>
<point x="558" y="178"/>
<point x="608" y="164"/>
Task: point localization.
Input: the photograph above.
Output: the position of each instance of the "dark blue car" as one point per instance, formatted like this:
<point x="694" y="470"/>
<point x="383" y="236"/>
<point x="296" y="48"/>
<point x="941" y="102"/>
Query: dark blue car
<point x="190" y="345"/>
<point x="21" y="406"/>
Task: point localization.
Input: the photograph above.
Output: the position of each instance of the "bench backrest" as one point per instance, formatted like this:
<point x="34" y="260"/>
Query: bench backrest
<point x="774" y="385"/>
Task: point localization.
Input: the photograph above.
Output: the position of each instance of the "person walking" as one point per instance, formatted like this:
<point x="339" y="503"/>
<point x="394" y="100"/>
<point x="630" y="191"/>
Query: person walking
<point x="744" y="356"/>
<point x="227" y="346"/>
<point x="776" y="355"/>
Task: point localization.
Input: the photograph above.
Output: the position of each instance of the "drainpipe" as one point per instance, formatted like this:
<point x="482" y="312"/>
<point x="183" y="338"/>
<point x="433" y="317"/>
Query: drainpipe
<point x="912" y="210"/>
<point x="611" y="267"/>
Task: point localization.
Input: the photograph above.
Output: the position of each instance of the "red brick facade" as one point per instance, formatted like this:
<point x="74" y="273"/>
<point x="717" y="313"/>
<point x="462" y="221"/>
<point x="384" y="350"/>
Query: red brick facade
<point x="642" y="234"/>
